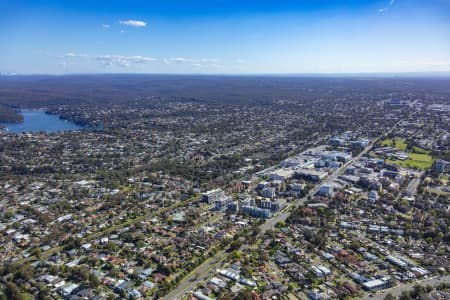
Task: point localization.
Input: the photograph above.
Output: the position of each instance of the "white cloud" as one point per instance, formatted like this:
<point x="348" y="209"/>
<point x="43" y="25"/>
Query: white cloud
<point x="133" y="23"/>
<point x="106" y="26"/>
<point x="384" y="9"/>
<point x="193" y="61"/>
<point x="127" y="61"/>
<point x="123" y="61"/>
<point x="180" y="60"/>
<point x="74" y="55"/>
<point x="65" y="63"/>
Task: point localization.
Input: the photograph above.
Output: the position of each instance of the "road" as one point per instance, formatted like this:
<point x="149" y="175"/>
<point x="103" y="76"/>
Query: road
<point x="197" y="276"/>
<point x="411" y="189"/>
<point x="397" y="290"/>
<point x="285" y="214"/>
<point x="98" y="234"/>
<point x="207" y="268"/>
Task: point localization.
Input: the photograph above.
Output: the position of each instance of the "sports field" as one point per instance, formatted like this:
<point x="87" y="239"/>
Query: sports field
<point x="418" y="158"/>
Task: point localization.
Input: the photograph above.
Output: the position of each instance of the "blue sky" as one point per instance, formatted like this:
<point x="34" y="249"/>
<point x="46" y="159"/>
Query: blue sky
<point x="217" y="36"/>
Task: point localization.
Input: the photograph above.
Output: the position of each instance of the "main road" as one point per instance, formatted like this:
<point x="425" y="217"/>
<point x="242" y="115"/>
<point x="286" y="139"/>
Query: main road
<point x="207" y="268"/>
<point x="270" y="223"/>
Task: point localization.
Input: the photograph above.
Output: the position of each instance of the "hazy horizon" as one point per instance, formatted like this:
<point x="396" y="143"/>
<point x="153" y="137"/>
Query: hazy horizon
<point x="387" y="75"/>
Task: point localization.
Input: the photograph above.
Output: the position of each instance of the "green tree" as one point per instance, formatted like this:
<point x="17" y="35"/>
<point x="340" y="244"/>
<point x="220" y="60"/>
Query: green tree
<point x="235" y="245"/>
<point x="12" y="292"/>
<point x="389" y="297"/>
<point x="405" y="296"/>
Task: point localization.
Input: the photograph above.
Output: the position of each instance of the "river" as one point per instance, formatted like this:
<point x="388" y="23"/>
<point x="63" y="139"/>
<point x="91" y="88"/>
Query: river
<point x="37" y="120"/>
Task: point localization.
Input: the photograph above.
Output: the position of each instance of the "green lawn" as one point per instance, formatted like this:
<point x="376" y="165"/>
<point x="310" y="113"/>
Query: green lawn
<point x="415" y="161"/>
<point x="396" y="143"/>
<point x="420" y="150"/>
<point x="420" y="159"/>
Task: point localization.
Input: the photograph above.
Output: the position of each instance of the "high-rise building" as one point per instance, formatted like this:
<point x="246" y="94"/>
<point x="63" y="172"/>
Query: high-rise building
<point x="213" y="195"/>
<point x="440" y="165"/>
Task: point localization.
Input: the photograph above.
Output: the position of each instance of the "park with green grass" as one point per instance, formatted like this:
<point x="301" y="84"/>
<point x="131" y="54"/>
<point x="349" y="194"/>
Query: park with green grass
<point x="419" y="158"/>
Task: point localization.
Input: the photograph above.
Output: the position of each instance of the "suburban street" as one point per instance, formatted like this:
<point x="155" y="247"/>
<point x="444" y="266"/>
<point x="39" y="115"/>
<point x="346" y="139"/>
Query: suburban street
<point x="250" y="150"/>
<point x="396" y="291"/>
<point x="207" y="269"/>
